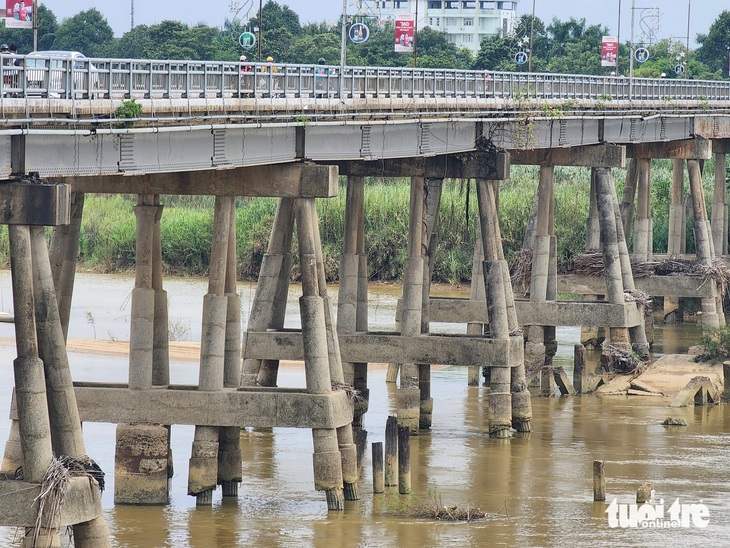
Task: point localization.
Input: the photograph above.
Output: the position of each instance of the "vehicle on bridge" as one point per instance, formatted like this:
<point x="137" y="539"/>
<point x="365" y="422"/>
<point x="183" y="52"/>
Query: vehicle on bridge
<point x="51" y="73"/>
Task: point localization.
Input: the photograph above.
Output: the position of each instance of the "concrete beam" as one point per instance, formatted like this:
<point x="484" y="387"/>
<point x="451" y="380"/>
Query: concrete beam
<point x="711" y="127"/>
<point x="698" y="148"/>
<point x="545" y="313"/>
<point x="299" y="180"/>
<point x="393" y="348"/>
<point x="256" y="407"/>
<point x="607" y="156"/>
<point x="721" y="146"/>
<point x="34" y="202"/>
<point x="674" y="286"/>
<point x="468" y="165"/>
<point x="19" y="506"/>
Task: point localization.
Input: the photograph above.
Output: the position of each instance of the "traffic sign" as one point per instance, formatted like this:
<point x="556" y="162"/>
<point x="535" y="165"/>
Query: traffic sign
<point x="641" y="55"/>
<point x="359" y="33"/>
<point x="679" y="69"/>
<point x="521" y="58"/>
<point x="247" y="39"/>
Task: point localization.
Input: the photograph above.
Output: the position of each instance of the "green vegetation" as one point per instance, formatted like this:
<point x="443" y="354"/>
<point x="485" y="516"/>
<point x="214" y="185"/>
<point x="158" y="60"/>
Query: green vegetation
<point x="559" y="46"/>
<point x="129" y="109"/>
<point x="108" y="228"/>
<point x="716" y="344"/>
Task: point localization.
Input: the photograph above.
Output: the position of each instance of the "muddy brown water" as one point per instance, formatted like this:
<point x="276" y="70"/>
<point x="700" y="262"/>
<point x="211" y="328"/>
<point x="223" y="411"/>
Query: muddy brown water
<point x="537" y="488"/>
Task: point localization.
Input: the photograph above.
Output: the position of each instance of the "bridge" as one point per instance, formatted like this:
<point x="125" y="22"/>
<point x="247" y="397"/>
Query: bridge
<point x="290" y="131"/>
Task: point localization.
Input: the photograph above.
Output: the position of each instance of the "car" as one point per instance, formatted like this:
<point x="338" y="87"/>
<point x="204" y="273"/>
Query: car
<point x="60" y="74"/>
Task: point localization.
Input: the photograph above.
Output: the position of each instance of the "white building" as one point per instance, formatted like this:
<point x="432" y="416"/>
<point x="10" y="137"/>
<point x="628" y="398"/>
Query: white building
<point x="465" y="22"/>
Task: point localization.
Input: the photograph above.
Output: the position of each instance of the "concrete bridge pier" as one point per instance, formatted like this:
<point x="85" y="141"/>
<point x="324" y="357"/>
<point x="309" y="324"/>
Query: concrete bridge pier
<point x="329" y="475"/>
<point x="230" y="468"/>
<point x="142" y="458"/>
<point x="497" y="294"/>
<point x="433" y="189"/>
<point x="591" y="336"/>
<point x="719" y="220"/>
<point x="353" y="269"/>
<point x="409" y="394"/>
<point x="711" y="306"/>
<point x="46" y="411"/>
<point x="345" y="438"/>
<point x="203" y="467"/>
<point x="64" y="253"/>
<point x="676" y="241"/>
<point x="536" y="355"/>
<point x="619" y="336"/>
<point x="476" y="294"/>
<point x="269" y="305"/>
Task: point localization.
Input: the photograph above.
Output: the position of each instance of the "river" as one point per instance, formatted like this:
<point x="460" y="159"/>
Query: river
<point x="537" y="488"/>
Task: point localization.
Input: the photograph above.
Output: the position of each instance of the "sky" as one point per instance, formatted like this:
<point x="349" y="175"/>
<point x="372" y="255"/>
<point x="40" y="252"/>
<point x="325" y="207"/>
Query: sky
<point x="672" y="21"/>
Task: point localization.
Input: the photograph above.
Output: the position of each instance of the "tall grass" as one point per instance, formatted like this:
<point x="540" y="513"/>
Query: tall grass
<point x="108" y="227"/>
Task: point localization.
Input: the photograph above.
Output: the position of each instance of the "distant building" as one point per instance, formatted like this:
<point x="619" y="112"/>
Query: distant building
<point x="465" y="22"/>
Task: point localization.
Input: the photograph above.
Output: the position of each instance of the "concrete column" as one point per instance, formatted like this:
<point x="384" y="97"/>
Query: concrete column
<point x="593" y="228"/>
<point x="64" y="254"/>
<point x="476" y="294"/>
<point x="161" y="331"/>
<point x="719" y="206"/>
<point x="409" y="394"/>
<point x="643" y="228"/>
<point x="348" y="302"/>
<point x="269" y="305"/>
<point x="638" y="334"/>
<point x="203" y="469"/>
<point x="628" y="197"/>
<point x="143" y="299"/>
<point x="230" y="469"/>
<point x="611" y="258"/>
<point x="703" y="241"/>
<point x="592" y="335"/>
<point x="429" y="242"/>
<point x="500" y="398"/>
<point x="677" y="235"/>
<point x="328" y="473"/>
<point x="30" y="389"/>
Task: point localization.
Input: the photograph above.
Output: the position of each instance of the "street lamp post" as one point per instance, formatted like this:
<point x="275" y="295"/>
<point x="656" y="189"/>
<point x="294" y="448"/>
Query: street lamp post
<point x="261" y="2"/>
<point x="631" y="53"/>
<point x="532" y="33"/>
<point x="689" y="12"/>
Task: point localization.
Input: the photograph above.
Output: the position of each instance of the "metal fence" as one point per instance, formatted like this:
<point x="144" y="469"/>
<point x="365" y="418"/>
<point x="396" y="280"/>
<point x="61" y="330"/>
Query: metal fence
<point x="65" y="78"/>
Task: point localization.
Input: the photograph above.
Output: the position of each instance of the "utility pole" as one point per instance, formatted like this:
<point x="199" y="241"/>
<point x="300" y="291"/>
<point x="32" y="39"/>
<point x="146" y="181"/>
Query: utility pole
<point x="131" y="25"/>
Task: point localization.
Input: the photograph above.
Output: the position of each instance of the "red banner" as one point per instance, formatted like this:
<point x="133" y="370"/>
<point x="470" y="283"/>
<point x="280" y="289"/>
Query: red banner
<point x="19" y="14"/>
<point x="609" y="51"/>
<point x="404" y="28"/>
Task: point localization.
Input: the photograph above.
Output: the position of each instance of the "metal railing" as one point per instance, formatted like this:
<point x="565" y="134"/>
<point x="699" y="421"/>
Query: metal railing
<point x="50" y="77"/>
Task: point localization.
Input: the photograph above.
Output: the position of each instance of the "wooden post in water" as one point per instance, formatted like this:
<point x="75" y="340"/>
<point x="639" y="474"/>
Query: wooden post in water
<point x="391" y="451"/>
<point x="599" y="481"/>
<point x="328" y="473"/>
<point x="378" y="481"/>
<point x="203" y="464"/>
<point x="404" y="460"/>
<point x="230" y="469"/>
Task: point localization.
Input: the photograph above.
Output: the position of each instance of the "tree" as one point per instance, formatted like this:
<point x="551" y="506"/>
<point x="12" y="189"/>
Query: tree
<point x="715" y="45"/>
<point x="87" y="31"/>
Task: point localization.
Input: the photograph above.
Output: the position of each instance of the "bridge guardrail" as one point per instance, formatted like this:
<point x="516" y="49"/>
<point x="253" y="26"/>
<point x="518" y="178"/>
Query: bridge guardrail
<point x="100" y="78"/>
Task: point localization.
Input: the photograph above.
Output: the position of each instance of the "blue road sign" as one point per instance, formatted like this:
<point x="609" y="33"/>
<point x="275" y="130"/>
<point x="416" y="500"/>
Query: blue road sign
<point x="521" y="58"/>
<point x="641" y="55"/>
<point x="359" y="33"/>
